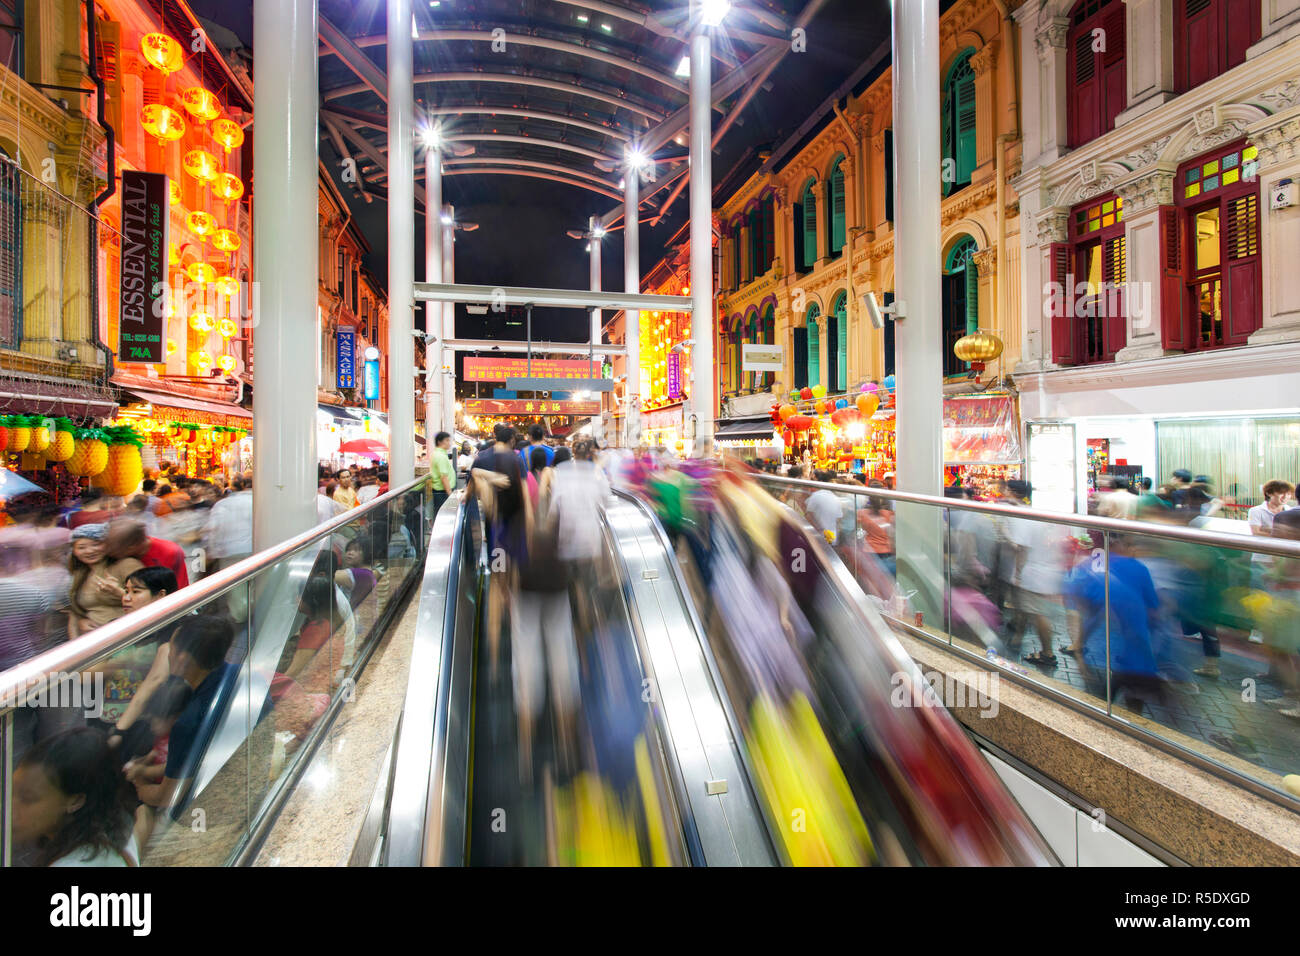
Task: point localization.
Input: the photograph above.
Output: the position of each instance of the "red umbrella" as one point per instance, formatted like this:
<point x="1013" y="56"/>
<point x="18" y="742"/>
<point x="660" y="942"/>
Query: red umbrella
<point x="365" y="446"/>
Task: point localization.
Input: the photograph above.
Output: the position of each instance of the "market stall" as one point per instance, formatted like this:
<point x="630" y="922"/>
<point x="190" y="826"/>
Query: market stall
<point x="981" y="441"/>
<point x="198" y="437"/>
<point x="852" y="433"/>
<point x="58" y="457"/>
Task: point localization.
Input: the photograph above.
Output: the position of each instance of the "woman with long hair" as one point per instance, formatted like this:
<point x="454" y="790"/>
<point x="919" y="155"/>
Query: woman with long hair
<point x="97" y="586"/>
<point x="70" y="803"/>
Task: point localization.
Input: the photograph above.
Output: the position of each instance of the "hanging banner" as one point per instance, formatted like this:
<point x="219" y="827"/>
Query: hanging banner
<point x="981" y="429"/>
<point x="143" y="290"/>
<point x="347" y="357"/>
<point x="501" y="369"/>
<point x="674" y="375"/>
<point x="528" y="406"/>
<point x="761" y="358"/>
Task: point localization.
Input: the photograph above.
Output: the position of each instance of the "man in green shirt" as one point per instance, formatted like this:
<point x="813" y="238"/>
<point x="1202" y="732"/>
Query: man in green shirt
<point x="441" y="471"/>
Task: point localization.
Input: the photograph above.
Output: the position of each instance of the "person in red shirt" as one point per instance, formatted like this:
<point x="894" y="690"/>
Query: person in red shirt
<point x="128" y="538"/>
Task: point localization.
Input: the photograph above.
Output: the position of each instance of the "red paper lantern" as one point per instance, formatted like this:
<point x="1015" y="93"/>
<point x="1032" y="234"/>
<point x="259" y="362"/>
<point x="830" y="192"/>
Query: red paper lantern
<point x="787" y="436"/>
<point x="805" y="393"/>
<point x="800" y="423"/>
<point x="843" y="417"/>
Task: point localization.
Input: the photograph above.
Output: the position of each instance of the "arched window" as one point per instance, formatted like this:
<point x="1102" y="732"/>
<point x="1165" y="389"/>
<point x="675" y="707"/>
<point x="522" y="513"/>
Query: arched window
<point x="731" y="357"/>
<point x="755" y="219"/>
<point x="835" y="208"/>
<point x="805" y="229"/>
<point x="767" y="329"/>
<point x="11" y="254"/>
<point x="814" y="346"/>
<point x="837" y="345"/>
<point x="1099" y="86"/>
<point x="767" y="216"/>
<point x="1211" y="37"/>
<point x="959" y="124"/>
<point x="960" y="302"/>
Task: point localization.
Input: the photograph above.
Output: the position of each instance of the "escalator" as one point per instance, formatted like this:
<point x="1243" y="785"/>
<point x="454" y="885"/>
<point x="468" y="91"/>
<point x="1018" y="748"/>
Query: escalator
<point x="734" y="710"/>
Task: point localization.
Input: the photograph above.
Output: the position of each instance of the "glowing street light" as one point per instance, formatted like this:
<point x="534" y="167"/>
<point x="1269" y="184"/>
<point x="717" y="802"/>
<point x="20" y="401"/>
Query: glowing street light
<point x="715" y="11"/>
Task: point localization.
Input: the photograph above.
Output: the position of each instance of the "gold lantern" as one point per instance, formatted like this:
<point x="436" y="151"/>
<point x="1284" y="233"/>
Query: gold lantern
<point x="200" y="164"/>
<point x="227" y="285"/>
<point x="227" y="363"/>
<point x="979" y="348"/>
<point x="201" y="272"/>
<point x="225" y="240"/>
<point x="174" y="191"/>
<point x="228" y="186"/>
<point x="171" y="347"/>
<point x="173" y="254"/>
<point x="200" y="103"/>
<point x="227" y="328"/>
<point x="201" y="360"/>
<point x="228" y="133"/>
<point x="202" y="322"/>
<point x="201" y="223"/>
<point x="162" y="52"/>
<point x="162" y="122"/>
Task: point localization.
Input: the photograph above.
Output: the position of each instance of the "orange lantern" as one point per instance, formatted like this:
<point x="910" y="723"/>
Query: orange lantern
<point x="227" y="328"/>
<point x="787" y="412"/>
<point x="202" y="322"/>
<point x="162" y="52"/>
<point x="174" y="191"/>
<point x="201" y="272"/>
<point x="228" y="186"/>
<point x="225" y="240"/>
<point x="228" y="133"/>
<point x="200" y="103"/>
<point x="228" y="285"/>
<point x="201" y="223"/>
<point x="162" y="122"/>
<point x="200" y="164"/>
<point x="227" y="363"/>
<point x="867" y="403"/>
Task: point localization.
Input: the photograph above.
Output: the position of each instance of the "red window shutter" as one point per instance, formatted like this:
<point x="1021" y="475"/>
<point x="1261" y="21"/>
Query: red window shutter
<point x="1174" y="331"/>
<point x="1242" y="278"/>
<point x="1064" y="348"/>
<point x="1241" y="29"/>
<point x="1085" y="93"/>
<point x="1114" y="272"/>
<point x="1198" y="41"/>
<point x="1114" y="78"/>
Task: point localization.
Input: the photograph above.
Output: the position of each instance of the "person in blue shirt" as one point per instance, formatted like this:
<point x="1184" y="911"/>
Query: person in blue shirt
<point x="535" y="440"/>
<point x="198" y="656"/>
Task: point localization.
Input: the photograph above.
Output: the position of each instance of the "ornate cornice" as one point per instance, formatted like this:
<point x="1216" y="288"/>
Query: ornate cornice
<point x="1051" y="37"/>
<point x="1155" y="188"/>
<point x="1281" y="97"/>
<point x="1052" y="226"/>
<point x="1277" y="138"/>
<point x="961" y="17"/>
<point x="966" y="201"/>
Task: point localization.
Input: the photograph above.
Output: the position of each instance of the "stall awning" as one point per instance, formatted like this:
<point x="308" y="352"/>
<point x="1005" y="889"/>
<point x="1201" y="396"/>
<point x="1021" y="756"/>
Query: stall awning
<point x="31" y="397"/>
<point x="193" y="404"/>
<point x="742" y="429"/>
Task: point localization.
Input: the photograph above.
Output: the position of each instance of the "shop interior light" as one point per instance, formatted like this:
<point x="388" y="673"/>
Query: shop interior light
<point x="228" y="133"/>
<point x="225" y="240"/>
<point x="201" y="223"/>
<point x="200" y="103"/>
<point x="228" y="187"/>
<point x="162" y="122"/>
<point x="200" y="164"/>
<point x="162" y="52"/>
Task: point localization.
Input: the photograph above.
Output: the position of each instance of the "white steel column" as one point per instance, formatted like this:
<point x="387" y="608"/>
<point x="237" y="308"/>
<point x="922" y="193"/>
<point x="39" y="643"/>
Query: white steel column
<point x="632" y="317"/>
<point x="285" y="264"/>
<point x="448" y="226"/>
<point x="435" y="412"/>
<point x="917" y="270"/>
<point x="401" y="245"/>
<point x="703" y="395"/>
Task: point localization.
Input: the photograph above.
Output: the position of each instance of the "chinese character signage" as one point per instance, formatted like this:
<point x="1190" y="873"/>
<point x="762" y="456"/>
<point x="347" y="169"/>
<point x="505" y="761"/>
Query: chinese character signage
<point x="500" y="369"/>
<point x="143" y="286"/>
<point x="674" y="375"/>
<point x="347" y="357"/>
<point x="529" y="406"/>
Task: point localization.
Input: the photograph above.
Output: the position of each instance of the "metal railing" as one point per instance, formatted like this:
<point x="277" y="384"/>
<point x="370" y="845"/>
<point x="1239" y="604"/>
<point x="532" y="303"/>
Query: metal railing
<point x="264" y="601"/>
<point x="1214" y="724"/>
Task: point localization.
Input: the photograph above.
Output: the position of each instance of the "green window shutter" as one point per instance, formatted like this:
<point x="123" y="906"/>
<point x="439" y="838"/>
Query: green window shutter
<point x="965" y="117"/>
<point x="842" y="328"/>
<point x="972" y="297"/>
<point x="810" y="227"/>
<point x="949" y="149"/>
<point x="797" y="218"/>
<point x="814" y="349"/>
<point x="837" y="209"/>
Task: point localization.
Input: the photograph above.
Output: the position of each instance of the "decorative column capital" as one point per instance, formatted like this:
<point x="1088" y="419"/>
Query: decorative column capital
<point x="1052" y="225"/>
<point x="1277" y="138"/>
<point x="984" y="58"/>
<point x="986" y="261"/>
<point x="1051" y="37"/>
<point x="1147" y="191"/>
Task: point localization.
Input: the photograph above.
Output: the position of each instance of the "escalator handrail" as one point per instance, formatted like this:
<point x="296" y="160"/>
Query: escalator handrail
<point x="416" y="818"/>
<point x="715" y="675"/>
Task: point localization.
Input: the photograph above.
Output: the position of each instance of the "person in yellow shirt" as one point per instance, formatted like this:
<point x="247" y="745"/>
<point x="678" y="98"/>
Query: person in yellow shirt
<point x="345" y="495"/>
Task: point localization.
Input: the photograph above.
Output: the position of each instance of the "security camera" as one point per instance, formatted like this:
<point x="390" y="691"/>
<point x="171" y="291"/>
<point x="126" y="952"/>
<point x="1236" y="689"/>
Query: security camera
<point x="681" y="347"/>
<point x="877" y="312"/>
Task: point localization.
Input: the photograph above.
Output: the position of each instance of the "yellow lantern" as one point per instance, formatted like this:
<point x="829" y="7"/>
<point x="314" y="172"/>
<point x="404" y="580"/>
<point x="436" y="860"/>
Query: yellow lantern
<point x="201" y="360"/>
<point x="162" y="122"/>
<point x="162" y="52"/>
<point x="228" y="133"/>
<point x="201" y="272"/>
<point x="228" y="186"/>
<point x="225" y="240"/>
<point x="173" y="254"/>
<point x="171" y="347"/>
<point x="174" y="191"/>
<point x="200" y="164"/>
<point x="978" y="348"/>
<point x="202" y="322"/>
<point x="200" y="103"/>
<point x="227" y="363"/>
<point x="227" y="328"/>
<point x="227" y="285"/>
<point x="201" y="223"/>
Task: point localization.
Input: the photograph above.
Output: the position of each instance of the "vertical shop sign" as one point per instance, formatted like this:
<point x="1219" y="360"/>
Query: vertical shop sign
<point x="143" y="287"/>
<point x="347" y="358"/>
